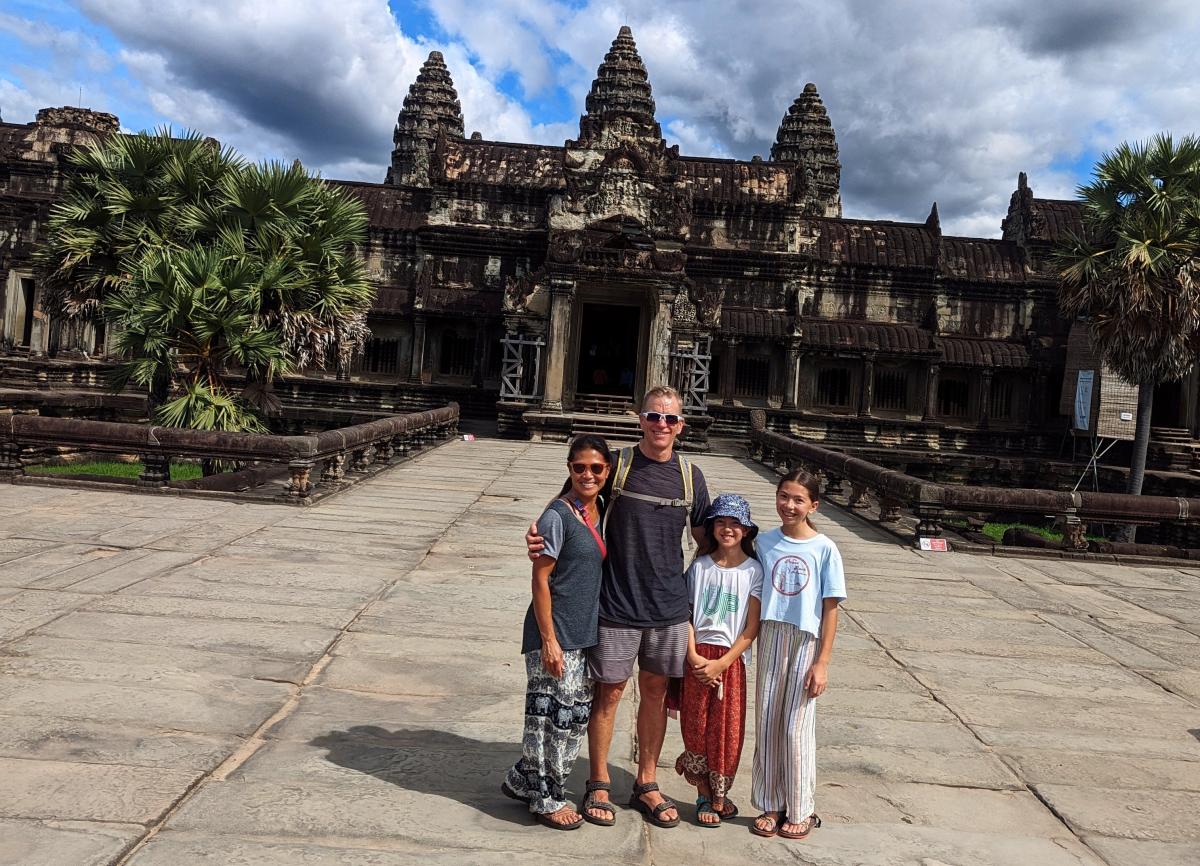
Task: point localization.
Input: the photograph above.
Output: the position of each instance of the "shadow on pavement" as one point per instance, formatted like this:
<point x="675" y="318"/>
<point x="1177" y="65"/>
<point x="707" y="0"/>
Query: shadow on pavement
<point x="442" y="764"/>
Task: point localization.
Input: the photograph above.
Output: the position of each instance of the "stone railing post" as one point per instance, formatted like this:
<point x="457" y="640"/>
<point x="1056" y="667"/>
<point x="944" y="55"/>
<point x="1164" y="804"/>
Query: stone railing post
<point x="889" y="509"/>
<point x="1073" y="537"/>
<point x="858" y="492"/>
<point x="335" y="468"/>
<point x="300" y="472"/>
<point x="11" y="464"/>
<point x="156" y="471"/>
<point x="363" y="458"/>
<point x="833" y="484"/>
<point x="386" y="449"/>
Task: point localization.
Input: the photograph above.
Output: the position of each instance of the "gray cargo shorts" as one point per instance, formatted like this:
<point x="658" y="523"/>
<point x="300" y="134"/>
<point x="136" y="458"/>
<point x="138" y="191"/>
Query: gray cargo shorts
<point x="661" y="650"/>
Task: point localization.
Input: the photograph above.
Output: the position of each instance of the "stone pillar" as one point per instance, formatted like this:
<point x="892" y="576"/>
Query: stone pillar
<point x="728" y="369"/>
<point x="658" y="354"/>
<point x="867" y="391"/>
<point x="418" y="347"/>
<point x="480" y="352"/>
<point x="931" y="392"/>
<point x="562" y="297"/>
<point x="985" y="397"/>
<point x="791" y="379"/>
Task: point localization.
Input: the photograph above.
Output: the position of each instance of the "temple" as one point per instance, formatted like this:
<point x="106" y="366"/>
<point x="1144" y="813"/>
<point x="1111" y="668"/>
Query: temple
<point x="548" y="286"/>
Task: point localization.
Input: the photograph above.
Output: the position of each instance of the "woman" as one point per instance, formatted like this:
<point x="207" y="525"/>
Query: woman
<point x="561" y="623"/>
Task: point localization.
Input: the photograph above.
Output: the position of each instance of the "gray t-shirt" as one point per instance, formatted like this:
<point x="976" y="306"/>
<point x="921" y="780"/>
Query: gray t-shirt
<point x="644" y="584"/>
<point x="574" y="583"/>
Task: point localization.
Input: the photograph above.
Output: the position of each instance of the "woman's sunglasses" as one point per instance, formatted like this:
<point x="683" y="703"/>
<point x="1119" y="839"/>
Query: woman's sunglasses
<point x="655" y="417"/>
<point x="596" y="468"/>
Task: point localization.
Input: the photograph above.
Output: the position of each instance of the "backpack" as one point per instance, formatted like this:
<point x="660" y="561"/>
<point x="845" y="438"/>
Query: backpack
<point x="621" y="473"/>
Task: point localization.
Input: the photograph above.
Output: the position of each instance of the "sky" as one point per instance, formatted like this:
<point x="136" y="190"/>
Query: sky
<point x="940" y="100"/>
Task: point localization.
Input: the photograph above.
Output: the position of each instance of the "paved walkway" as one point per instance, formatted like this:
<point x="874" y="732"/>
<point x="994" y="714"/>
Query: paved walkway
<point x="196" y="682"/>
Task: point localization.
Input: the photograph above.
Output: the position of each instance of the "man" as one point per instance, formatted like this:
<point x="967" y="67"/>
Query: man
<point x="644" y="607"/>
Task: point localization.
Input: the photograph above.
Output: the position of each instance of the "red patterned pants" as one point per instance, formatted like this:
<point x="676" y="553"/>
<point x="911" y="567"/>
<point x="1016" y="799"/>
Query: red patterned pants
<point x="714" y="727"/>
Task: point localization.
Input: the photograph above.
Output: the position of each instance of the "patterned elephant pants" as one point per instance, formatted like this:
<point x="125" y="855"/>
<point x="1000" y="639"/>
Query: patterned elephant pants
<point x="785" y="750"/>
<point x="713" y="723"/>
<point x="556" y="720"/>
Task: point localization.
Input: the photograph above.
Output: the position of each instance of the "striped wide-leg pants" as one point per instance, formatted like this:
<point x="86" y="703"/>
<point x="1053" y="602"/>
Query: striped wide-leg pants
<point x="785" y="753"/>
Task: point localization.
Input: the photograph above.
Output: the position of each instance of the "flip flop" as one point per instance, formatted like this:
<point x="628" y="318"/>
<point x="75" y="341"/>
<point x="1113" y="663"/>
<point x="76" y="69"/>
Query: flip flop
<point x="809" y="824"/>
<point x="653" y="813"/>
<point x="545" y="820"/>
<point x="775" y="822"/>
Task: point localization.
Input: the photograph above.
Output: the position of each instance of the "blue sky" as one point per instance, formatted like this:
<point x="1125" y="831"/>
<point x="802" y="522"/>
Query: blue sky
<point x="939" y="100"/>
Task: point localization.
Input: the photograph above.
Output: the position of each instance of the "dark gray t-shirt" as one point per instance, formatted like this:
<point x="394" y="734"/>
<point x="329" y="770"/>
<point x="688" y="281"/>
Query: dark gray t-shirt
<point x="644" y="584"/>
<point x="574" y="583"/>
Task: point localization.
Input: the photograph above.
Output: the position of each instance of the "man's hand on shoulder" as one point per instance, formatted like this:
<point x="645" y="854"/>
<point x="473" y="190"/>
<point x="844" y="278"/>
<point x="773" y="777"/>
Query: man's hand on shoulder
<point x="534" y="543"/>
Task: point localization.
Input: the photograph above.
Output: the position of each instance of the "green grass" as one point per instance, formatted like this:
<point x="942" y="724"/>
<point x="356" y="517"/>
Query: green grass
<point x="114" y="469"/>
<point x="995" y="531"/>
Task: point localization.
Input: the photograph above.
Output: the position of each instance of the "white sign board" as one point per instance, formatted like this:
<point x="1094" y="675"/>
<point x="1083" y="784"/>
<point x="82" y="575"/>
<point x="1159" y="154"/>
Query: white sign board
<point x="934" y="544"/>
<point x="1083" y="399"/>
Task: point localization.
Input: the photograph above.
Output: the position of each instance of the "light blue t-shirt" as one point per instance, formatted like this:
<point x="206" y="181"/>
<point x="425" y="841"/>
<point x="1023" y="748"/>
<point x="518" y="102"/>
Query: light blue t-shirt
<point x="798" y="575"/>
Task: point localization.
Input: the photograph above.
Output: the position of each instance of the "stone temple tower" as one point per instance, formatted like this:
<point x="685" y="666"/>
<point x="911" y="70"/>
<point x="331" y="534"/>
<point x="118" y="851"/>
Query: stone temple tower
<point x="806" y="138"/>
<point x="431" y="108"/>
<point x="620" y="101"/>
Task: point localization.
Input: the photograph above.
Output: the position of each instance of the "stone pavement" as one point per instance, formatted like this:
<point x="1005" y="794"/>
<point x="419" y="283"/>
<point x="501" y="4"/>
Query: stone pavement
<point x="197" y="682"/>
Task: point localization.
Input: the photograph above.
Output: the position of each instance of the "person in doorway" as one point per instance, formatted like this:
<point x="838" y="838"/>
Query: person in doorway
<point x="560" y="626"/>
<point x="654" y="494"/>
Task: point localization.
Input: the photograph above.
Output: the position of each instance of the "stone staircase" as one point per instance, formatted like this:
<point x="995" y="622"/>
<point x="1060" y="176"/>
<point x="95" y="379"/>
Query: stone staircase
<point x="603" y="404"/>
<point x="1173" y="449"/>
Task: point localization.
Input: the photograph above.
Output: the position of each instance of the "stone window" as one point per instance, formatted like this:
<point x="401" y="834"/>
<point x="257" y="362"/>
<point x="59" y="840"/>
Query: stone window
<point x="891" y="389"/>
<point x="954" y="393"/>
<point x="833" y="387"/>
<point x="1003" y="398"/>
<point x="381" y="356"/>
<point x="457" y="357"/>
<point x="751" y="377"/>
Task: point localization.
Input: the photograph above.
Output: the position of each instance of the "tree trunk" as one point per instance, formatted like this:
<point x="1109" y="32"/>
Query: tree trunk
<point x="1141" y="443"/>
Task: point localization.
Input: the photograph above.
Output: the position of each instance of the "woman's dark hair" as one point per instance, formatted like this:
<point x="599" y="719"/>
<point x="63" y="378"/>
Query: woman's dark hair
<point x="586" y="442"/>
<point x="810" y="483"/>
<point x="708" y="544"/>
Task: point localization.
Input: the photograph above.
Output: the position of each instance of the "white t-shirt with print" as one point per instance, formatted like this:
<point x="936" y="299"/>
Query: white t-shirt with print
<point x="720" y="598"/>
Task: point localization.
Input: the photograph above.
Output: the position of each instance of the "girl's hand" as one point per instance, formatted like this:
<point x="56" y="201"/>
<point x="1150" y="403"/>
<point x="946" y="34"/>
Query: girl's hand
<point x="695" y="660"/>
<point x="710" y="671"/>
<point x="552" y="659"/>
<point x="816" y="679"/>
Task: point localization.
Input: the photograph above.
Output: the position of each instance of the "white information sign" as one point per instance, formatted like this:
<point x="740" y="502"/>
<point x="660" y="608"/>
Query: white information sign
<point x="1083" y="399"/>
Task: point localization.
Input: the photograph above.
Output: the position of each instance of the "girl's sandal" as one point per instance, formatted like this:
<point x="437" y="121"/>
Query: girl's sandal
<point x="806" y="826"/>
<point x="546" y="819"/>
<point x="730" y="810"/>
<point x="704" y="807"/>
<point x="773" y="819"/>
<point x="590" y="802"/>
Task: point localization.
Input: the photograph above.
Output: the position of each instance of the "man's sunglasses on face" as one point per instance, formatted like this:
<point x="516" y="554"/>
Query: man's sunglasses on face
<point x="655" y="417"/>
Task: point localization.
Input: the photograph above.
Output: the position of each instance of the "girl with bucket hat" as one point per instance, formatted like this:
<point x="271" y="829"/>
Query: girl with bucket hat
<point x="725" y="586"/>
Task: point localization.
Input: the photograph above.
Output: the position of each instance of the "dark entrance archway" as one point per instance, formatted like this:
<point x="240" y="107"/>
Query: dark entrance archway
<point x="608" y="350"/>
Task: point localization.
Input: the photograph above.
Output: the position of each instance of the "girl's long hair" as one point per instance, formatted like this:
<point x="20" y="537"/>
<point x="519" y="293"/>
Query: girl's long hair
<point x="586" y="442"/>
<point x="709" y="545"/>
<point x="810" y="483"/>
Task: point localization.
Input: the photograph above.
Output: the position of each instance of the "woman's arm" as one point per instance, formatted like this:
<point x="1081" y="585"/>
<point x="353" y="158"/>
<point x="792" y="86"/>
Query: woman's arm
<point x="552" y="657"/>
<point x="713" y="668"/>
<point x="818" y="675"/>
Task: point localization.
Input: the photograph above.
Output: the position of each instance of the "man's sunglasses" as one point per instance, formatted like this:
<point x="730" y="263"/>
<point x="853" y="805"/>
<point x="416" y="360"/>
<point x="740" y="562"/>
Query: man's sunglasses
<point x="655" y="417"/>
<point x="596" y="468"/>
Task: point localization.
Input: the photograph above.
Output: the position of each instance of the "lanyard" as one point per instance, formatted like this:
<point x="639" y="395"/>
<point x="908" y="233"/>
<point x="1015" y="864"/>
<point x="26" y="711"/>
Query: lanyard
<point x="587" y="521"/>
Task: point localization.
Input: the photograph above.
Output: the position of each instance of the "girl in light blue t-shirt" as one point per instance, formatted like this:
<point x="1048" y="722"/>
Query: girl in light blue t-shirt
<point x="802" y="586"/>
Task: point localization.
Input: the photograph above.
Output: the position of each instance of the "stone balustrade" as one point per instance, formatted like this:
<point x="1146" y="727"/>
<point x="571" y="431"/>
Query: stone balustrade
<point x="360" y="447"/>
<point x="929" y="503"/>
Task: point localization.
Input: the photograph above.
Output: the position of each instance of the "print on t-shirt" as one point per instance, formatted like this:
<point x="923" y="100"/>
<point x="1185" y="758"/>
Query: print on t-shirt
<point x="790" y="575"/>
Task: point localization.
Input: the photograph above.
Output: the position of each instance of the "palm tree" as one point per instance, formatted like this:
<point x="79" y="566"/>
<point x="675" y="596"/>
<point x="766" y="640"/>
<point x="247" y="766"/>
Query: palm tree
<point x="204" y="264"/>
<point x="1132" y="275"/>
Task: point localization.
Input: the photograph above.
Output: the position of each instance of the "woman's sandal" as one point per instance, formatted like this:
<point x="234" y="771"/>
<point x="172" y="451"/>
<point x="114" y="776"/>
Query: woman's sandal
<point x="806" y="826"/>
<point x="653" y="813"/>
<point x="545" y="819"/>
<point x="730" y="810"/>
<point x="773" y="829"/>
<point x="590" y="802"/>
<point x="704" y="807"/>
<point x="507" y="791"/>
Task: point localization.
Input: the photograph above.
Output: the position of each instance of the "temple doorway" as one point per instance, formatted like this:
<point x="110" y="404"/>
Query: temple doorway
<point x="608" y="350"/>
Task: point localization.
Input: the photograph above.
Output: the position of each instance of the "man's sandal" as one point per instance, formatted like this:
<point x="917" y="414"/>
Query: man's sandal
<point x="705" y="807"/>
<point x="590" y="802"/>
<point x="806" y="826"/>
<point x="545" y="820"/>
<point x="653" y="814"/>
<point x="773" y="824"/>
